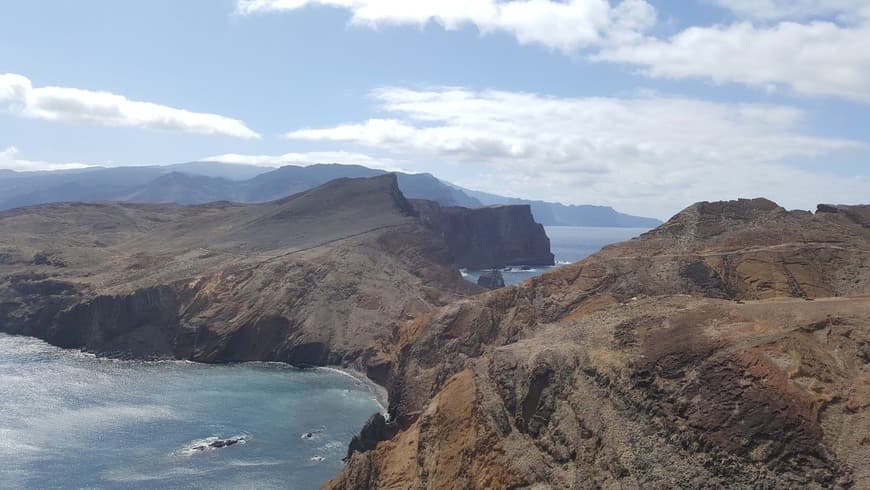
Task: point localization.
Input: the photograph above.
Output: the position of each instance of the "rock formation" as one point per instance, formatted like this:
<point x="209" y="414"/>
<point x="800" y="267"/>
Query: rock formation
<point x="728" y="348"/>
<point x="324" y="276"/>
<point x="690" y="357"/>
<point x="490" y="237"/>
<point x="491" y="279"/>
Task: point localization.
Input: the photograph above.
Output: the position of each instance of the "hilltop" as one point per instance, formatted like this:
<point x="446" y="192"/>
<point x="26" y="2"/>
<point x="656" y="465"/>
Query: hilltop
<point x="727" y="348"/>
<point x="319" y="277"/>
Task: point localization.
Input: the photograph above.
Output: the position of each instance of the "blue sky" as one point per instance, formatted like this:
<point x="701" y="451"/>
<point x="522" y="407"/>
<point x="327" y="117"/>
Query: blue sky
<point x="646" y="106"/>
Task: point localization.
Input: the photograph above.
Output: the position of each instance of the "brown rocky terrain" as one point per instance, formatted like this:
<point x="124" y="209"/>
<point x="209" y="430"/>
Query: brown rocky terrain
<point x="321" y="277"/>
<point x="728" y="348"/>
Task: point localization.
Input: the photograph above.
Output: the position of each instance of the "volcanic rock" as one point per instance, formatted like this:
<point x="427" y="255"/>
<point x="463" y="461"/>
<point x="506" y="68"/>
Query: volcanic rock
<point x="491" y="279"/>
<point x="490" y="237"/>
<point x="685" y="358"/>
<point x="324" y="276"/>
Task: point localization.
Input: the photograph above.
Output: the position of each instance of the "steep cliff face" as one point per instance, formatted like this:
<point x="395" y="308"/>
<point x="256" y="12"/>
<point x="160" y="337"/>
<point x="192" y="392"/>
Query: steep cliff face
<point x="490" y="237"/>
<point x="690" y="357"/>
<point x="320" y="277"/>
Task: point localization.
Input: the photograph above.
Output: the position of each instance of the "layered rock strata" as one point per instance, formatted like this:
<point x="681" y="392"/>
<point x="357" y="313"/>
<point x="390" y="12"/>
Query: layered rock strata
<point x="726" y="349"/>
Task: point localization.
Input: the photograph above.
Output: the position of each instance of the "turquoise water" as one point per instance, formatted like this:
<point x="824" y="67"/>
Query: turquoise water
<point x="69" y="420"/>
<point x="569" y="244"/>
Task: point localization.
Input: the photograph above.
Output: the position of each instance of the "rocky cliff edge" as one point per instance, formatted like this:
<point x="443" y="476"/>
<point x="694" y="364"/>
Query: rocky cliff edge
<point x="728" y="348"/>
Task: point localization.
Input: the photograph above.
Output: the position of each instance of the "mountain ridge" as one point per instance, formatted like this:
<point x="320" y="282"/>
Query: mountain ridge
<point x="245" y="183"/>
<point x="726" y="348"/>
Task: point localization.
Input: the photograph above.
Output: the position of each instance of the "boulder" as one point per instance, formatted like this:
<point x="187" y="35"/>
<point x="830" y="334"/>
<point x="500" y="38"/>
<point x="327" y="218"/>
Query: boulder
<point x="491" y="279"/>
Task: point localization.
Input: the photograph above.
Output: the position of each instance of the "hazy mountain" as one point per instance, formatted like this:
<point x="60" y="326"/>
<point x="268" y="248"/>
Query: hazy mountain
<point x="231" y="171"/>
<point x="198" y="182"/>
<point x="557" y="214"/>
<point x="201" y="182"/>
<point x="181" y="188"/>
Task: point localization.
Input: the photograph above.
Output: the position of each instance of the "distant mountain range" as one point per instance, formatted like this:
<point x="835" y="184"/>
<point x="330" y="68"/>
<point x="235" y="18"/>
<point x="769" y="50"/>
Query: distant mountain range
<point x="202" y="182"/>
<point x="557" y="214"/>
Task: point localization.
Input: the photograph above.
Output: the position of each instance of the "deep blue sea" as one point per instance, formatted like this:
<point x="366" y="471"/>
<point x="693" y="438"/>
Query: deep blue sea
<point x="569" y="244"/>
<point x="69" y="420"/>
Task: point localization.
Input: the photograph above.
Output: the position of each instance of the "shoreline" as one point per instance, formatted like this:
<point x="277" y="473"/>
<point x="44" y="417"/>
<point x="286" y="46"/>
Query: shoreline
<point x="380" y="393"/>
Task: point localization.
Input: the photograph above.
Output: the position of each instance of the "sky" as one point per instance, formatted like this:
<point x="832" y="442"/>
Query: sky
<point x="646" y="106"/>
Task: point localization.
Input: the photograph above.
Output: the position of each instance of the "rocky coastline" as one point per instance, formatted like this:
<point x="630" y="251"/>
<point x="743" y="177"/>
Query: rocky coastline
<point x="727" y="347"/>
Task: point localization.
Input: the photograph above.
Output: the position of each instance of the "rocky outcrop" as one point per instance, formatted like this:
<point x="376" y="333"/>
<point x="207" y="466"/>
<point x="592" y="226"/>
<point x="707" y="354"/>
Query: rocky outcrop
<point x="728" y="348"/>
<point x="322" y="277"/>
<point x="490" y="237"/>
<point x="690" y="357"/>
<point x="491" y="279"/>
<point x="858" y="214"/>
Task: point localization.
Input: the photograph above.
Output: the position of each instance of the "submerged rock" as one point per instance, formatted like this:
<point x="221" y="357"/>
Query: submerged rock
<point x="219" y="443"/>
<point x="491" y="280"/>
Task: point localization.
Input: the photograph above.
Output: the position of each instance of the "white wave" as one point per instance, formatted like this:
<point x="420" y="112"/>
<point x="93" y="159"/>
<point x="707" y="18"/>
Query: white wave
<point x="314" y="434"/>
<point x="239" y="463"/>
<point x="128" y="475"/>
<point x="331" y="445"/>
<point x="12" y="445"/>
<point x="380" y="393"/>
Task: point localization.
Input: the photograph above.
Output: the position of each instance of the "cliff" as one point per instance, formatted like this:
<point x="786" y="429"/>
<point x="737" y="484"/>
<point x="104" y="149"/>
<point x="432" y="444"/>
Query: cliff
<point x="490" y="237"/>
<point x="726" y="349"/>
<point x="321" y="277"/>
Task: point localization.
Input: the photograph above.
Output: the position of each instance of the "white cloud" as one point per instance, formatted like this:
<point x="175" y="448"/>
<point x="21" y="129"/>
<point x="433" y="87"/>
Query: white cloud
<point x="822" y="57"/>
<point x="9" y="160"/>
<point x="649" y="155"/>
<point x="107" y="109"/>
<point x="796" y="9"/>
<point x="818" y="58"/>
<point x="564" y="25"/>
<point x="344" y="157"/>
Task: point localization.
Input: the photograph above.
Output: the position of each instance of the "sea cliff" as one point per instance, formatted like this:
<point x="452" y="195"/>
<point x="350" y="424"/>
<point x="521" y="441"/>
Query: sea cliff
<point x="490" y="237"/>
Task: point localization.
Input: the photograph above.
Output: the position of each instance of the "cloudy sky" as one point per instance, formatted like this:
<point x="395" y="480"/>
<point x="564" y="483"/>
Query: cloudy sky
<point x="647" y="106"/>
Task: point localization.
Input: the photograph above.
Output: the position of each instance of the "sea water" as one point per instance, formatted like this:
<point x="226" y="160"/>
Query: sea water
<point x="569" y="244"/>
<point x="70" y="420"/>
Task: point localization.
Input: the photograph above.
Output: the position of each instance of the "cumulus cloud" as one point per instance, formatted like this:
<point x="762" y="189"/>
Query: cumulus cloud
<point x="650" y="154"/>
<point x="306" y="158"/>
<point x="809" y="47"/>
<point x="563" y="25"/>
<point x="818" y="58"/>
<point x="9" y="160"/>
<point x="107" y="109"/>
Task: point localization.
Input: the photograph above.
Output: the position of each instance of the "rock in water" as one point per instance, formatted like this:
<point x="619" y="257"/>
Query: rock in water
<point x="491" y="279"/>
<point x="219" y="443"/>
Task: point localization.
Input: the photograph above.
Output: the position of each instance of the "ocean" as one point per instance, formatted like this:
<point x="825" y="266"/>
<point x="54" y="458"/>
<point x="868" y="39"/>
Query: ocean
<point x="569" y="244"/>
<point x="70" y="420"/>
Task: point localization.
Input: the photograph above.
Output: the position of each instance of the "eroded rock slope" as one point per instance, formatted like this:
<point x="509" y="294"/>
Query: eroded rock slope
<point x="324" y="276"/>
<point x="728" y="348"/>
